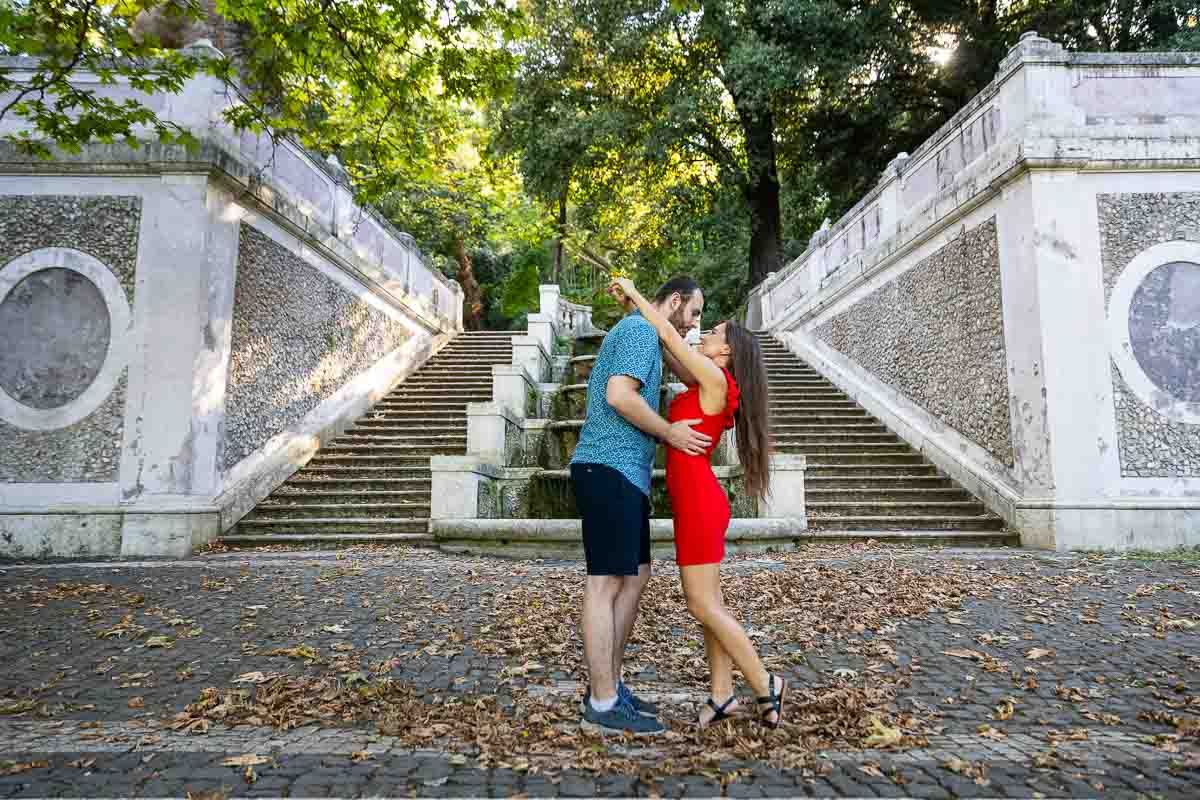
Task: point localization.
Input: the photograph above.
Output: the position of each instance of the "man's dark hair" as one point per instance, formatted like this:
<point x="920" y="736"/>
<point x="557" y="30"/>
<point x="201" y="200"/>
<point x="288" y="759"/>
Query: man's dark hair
<point x="685" y="286"/>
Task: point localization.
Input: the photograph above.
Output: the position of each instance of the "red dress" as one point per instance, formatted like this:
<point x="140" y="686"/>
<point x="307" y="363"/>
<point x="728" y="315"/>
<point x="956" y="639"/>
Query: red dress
<point x="698" y="502"/>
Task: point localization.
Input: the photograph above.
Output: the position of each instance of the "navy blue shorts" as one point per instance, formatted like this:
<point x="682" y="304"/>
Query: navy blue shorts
<point x="616" y="520"/>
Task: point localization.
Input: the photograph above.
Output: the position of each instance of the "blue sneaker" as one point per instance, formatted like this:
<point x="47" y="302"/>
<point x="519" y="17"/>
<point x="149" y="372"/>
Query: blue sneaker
<point x="639" y="705"/>
<point x="621" y="718"/>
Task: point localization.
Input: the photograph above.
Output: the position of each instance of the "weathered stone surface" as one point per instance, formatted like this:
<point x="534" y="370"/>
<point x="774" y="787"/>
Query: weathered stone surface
<point x="936" y="334"/>
<point x="298" y="337"/>
<point x="87" y="452"/>
<point x="105" y="227"/>
<point x="56" y="329"/>
<point x="1164" y="326"/>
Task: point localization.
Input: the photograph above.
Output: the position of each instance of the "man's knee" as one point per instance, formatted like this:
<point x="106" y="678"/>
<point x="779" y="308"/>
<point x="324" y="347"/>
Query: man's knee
<point x="604" y="586"/>
<point x="636" y="583"/>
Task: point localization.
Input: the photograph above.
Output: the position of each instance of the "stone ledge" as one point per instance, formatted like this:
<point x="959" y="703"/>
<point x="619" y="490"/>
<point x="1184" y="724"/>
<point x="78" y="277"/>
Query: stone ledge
<point x="570" y="530"/>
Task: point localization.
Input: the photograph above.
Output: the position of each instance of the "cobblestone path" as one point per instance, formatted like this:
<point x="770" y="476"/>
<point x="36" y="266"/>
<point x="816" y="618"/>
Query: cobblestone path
<point x="378" y="673"/>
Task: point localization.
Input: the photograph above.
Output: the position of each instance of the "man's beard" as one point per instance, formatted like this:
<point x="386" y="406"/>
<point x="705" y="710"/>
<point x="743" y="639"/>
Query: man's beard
<point x="677" y="321"/>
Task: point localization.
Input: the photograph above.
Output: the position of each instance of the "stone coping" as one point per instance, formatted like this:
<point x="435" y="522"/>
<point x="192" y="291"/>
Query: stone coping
<point x="217" y="158"/>
<point x="1030" y="50"/>
<point x="570" y="530"/>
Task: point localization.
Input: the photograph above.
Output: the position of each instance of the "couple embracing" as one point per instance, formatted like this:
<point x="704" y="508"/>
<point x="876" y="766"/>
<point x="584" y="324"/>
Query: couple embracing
<point x="610" y="475"/>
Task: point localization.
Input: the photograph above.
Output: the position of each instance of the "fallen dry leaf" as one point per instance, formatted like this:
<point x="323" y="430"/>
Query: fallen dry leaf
<point x="881" y="735"/>
<point x="248" y="760"/>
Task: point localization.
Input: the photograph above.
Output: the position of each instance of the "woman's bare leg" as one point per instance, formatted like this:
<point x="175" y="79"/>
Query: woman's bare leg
<point x="702" y="588"/>
<point x="720" y="669"/>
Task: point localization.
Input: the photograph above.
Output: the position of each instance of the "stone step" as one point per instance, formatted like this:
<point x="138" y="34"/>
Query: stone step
<point x="807" y="394"/>
<point x="838" y="426"/>
<point x="416" y="416"/>
<point x="867" y="469"/>
<point x="322" y="461"/>
<point x="407" y="436"/>
<point x="823" y="495"/>
<point x="447" y="390"/>
<point x="420" y="406"/>
<point x="466" y="363"/>
<point x="778" y="406"/>
<point x="327" y="539"/>
<point x="947" y="537"/>
<point x="451" y="353"/>
<point x="874" y="482"/>
<point x="827" y="435"/>
<point x="892" y="508"/>
<point x="820" y="416"/>
<point x="829" y="447"/>
<point x="406" y="429"/>
<point x="328" y="525"/>
<point x="982" y="522"/>
<point x="350" y="510"/>
<point x="300" y="495"/>
<point x="413" y="486"/>
<point x="788" y="383"/>
<point x="344" y="469"/>
<point x="392" y="450"/>
<point x="436" y="381"/>
<point x="904" y="457"/>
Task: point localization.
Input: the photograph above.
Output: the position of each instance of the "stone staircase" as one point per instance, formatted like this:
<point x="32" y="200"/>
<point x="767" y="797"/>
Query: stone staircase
<point x="372" y="483"/>
<point x="862" y="479"/>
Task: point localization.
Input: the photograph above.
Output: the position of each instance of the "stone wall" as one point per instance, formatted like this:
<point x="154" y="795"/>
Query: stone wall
<point x="936" y="334"/>
<point x="298" y="337"/>
<point x="56" y="326"/>
<point x="1164" y="328"/>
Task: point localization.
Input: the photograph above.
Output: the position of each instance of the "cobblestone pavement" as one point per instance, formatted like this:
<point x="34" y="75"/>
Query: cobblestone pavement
<point x="980" y="674"/>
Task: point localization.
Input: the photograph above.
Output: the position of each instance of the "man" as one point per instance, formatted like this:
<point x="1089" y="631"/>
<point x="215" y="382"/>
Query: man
<point x="610" y="475"/>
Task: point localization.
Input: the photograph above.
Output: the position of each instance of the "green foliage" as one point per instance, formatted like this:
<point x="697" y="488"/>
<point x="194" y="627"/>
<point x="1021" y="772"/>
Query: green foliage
<point x="520" y="292"/>
<point x="68" y="36"/>
<point x="375" y="82"/>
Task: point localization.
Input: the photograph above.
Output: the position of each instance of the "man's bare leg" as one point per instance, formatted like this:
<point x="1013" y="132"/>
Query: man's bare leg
<point x="625" y="611"/>
<point x="599" y="632"/>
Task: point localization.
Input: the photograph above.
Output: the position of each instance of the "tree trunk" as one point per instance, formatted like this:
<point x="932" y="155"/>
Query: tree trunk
<point x="762" y="195"/>
<point x="556" y="270"/>
<point x="472" y="295"/>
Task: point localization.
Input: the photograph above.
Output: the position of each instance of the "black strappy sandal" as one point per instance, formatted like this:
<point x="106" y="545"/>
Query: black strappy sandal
<point x="774" y="702"/>
<point x="719" y="711"/>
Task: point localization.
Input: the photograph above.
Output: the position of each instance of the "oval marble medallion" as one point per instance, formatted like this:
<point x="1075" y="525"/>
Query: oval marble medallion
<point x="1164" y="329"/>
<point x="56" y="329"/>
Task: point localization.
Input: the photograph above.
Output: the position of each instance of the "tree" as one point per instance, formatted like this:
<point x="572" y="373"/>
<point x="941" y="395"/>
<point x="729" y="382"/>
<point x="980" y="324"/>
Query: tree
<point x="366" y="80"/>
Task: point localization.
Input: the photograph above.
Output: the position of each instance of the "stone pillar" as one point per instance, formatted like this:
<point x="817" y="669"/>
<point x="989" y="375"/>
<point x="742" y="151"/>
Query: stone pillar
<point x="511" y="388"/>
<point x="531" y="355"/>
<point x="173" y="416"/>
<point x="487" y="429"/>
<point x="549" y="295"/>
<point x="787" y="489"/>
<point x="456" y="481"/>
<point x="543" y="328"/>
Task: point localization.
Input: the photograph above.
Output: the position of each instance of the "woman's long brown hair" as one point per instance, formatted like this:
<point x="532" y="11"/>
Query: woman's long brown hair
<point x="752" y="417"/>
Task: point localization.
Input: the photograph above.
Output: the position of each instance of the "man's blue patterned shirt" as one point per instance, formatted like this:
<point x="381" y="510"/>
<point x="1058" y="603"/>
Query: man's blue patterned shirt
<point x="630" y="348"/>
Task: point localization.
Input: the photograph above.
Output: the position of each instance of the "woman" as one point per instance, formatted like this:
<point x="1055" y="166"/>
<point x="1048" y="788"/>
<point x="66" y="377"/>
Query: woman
<point x="726" y="383"/>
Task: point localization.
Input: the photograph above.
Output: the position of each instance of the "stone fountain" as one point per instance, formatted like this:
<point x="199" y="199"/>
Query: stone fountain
<point x="511" y="495"/>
